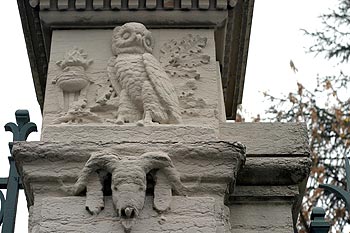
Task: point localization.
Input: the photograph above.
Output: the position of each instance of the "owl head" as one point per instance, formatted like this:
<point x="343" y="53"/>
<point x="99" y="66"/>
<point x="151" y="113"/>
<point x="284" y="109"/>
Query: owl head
<point x="132" y="38"/>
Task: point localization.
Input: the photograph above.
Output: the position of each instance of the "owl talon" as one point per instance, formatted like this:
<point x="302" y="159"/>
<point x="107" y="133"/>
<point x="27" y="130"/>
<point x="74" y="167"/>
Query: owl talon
<point x="143" y="123"/>
<point x="119" y="122"/>
<point x="140" y="123"/>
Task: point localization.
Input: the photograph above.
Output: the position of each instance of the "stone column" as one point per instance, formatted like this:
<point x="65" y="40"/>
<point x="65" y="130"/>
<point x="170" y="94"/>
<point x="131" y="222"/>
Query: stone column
<point x="131" y="115"/>
<point x="134" y="137"/>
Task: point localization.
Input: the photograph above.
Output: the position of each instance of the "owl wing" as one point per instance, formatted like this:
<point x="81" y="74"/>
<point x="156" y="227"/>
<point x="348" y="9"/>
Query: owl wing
<point x="112" y="75"/>
<point x="163" y="86"/>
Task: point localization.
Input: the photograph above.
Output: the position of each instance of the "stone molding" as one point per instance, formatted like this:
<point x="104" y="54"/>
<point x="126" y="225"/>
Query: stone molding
<point x="97" y="5"/>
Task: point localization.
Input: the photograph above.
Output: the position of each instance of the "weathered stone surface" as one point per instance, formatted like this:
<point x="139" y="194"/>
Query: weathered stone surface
<point x="121" y="133"/>
<point x="270" y="186"/>
<point x="273" y="139"/>
<point x="274" y="170"/>
<point x="64" y="214"/>
<point x="265" y="192"/>
<point x="264" y="216"/>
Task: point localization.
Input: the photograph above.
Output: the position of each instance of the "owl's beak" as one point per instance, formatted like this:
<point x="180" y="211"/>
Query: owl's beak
<point x="138" y="37"/>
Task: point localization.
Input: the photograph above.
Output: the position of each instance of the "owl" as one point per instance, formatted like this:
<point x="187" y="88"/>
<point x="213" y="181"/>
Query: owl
<point x="146" y="94"/>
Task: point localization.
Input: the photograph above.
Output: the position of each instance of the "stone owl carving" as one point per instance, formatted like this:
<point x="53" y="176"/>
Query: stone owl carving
<point x="146" y="94"/>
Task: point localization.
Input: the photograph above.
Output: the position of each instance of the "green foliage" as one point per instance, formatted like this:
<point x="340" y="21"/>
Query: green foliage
<point x="326" y="110"/>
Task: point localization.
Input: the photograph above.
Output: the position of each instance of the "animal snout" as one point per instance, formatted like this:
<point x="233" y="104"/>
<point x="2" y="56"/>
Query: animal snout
<point x="128" y="212"/>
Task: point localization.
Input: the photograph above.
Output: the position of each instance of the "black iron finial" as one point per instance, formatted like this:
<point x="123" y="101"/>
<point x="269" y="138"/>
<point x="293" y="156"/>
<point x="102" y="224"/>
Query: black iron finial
<point x="8" y="207"/>
<point x="23" y="127"/>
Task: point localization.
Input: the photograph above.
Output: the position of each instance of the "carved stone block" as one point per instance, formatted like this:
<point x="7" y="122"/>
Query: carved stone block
<point x="139" y="177"/>
<point x="187" y="215"/>
<point x="187" y="94"/>
<point x="128" y="184"/>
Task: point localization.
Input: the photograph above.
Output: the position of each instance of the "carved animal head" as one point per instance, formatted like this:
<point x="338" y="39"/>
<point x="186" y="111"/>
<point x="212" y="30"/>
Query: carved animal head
<point x="132" y="38"/>
<point x="128" y="180"/>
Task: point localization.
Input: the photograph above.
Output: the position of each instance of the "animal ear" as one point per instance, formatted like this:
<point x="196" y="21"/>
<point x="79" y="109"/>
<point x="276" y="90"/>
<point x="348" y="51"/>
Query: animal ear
<point x="98" y="161"/>
<point x="160" y="160"/>
<point x="162" y="192"/>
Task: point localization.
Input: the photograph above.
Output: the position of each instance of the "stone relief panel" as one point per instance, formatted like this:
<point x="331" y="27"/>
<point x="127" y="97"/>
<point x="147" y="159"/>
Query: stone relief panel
<point x="73" y="83"/>
<point x="137" y="78"/>
<point x="128" y="183"/>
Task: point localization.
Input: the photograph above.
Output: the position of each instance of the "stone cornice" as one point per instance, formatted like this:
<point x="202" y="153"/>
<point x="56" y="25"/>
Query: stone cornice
<point x="96" y="5"/>
<point x="203" y="166"/>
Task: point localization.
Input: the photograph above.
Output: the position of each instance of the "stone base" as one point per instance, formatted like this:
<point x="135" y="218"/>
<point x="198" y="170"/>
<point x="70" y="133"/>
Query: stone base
<point x="65" y="214"/>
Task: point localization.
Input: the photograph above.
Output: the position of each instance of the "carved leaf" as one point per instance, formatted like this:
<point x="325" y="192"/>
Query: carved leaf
<point x="182" y="73"/>
<point x="180" y="58"/>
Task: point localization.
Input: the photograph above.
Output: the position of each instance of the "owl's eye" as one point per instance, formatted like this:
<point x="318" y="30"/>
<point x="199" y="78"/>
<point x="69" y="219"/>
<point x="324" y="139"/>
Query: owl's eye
<point x="126" y="35"/>
<point x="148" y="42"/>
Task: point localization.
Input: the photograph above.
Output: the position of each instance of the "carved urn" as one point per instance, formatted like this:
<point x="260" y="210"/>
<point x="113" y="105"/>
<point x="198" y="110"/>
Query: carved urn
<point x="73" y="77"/>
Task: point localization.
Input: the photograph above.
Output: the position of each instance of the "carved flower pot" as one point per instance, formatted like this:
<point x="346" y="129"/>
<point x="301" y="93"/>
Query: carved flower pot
<point x="72" y="79"/>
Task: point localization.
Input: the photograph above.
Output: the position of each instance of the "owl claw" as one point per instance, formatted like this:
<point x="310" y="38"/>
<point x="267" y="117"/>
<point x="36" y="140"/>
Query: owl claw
<point x="143" y="123"/>
<point x="140" y="123"/>
<point x="119" y="122"/>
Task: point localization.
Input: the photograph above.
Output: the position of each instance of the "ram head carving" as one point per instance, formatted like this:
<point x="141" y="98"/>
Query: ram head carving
<point x="128" y="183"/>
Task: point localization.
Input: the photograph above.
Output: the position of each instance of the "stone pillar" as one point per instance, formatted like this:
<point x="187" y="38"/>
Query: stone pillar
<point x="134" y="137"/>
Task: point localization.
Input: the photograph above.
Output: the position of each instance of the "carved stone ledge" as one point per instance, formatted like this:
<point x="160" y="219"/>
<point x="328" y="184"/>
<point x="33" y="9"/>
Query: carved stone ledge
<point x="201" y="164"/>
<point x="204" y="171"/>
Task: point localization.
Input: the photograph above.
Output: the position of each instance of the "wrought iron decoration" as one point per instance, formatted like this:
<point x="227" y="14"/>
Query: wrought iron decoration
<point x="20" y="131"/>
<point x="339" y="192"/>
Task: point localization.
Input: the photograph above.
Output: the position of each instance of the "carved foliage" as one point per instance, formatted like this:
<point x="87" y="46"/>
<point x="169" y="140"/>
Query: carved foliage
<point x="128" y="183"/>
<point x="181" y="57"/>
<point x="75" y="57"/>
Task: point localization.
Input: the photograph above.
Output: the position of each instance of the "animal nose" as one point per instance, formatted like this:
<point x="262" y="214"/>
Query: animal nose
<point x="128" y="212"/>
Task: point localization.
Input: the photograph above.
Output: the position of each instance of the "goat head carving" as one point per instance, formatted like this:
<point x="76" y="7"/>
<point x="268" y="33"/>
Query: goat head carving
<point x="128" y="183"/>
